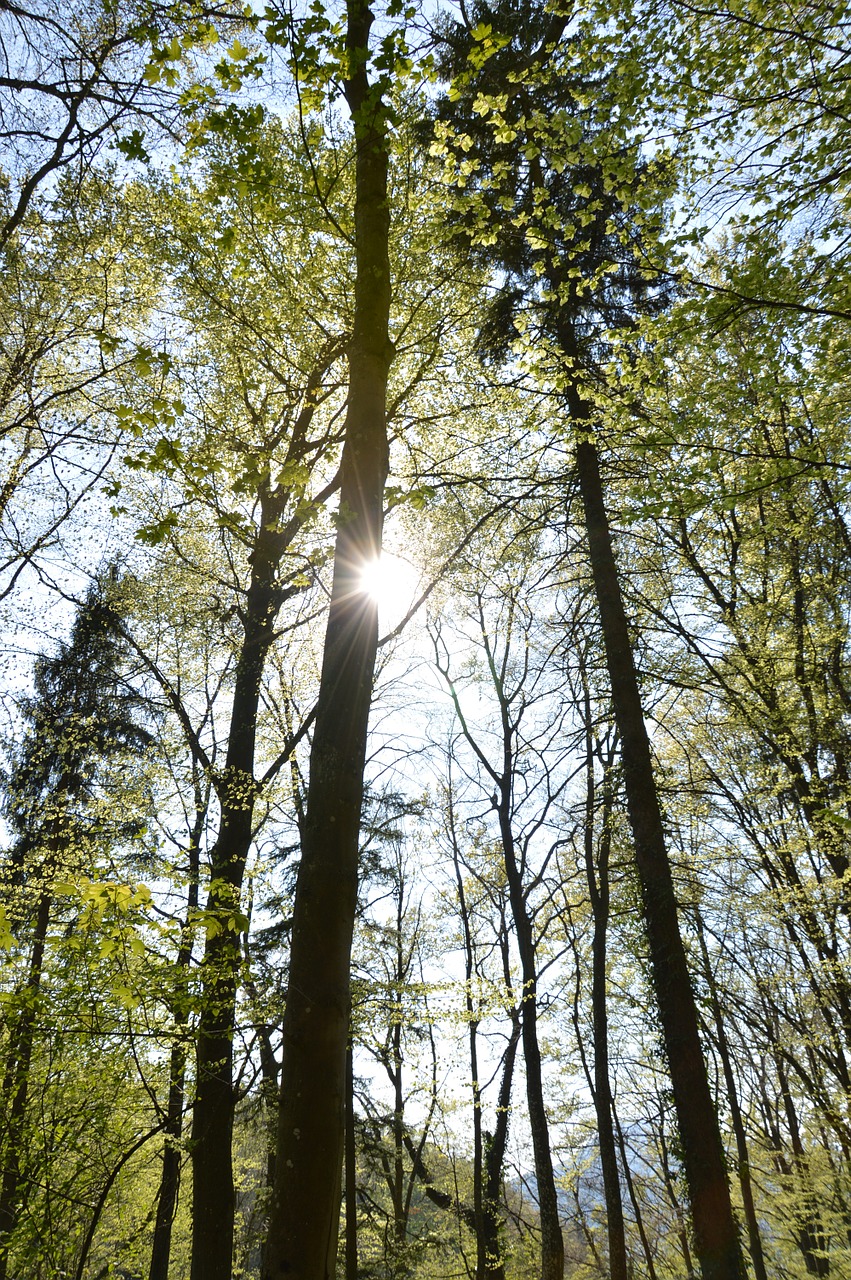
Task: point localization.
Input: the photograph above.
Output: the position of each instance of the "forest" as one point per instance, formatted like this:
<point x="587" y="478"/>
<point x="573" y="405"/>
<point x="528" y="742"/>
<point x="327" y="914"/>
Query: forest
<point x="425" y="765"/>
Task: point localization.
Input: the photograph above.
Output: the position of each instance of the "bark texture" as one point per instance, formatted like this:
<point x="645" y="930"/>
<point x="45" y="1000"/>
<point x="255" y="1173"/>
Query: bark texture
<point x="303" y="1230"/>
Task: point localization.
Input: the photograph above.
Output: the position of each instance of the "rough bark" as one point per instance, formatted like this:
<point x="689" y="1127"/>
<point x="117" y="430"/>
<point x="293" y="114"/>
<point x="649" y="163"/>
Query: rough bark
<point x="302" y="1242"/>
<point x="715" y="1233"/>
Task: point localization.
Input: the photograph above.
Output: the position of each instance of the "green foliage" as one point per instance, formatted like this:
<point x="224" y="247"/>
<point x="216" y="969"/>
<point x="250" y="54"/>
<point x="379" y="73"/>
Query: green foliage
<point x="173" y="347"/>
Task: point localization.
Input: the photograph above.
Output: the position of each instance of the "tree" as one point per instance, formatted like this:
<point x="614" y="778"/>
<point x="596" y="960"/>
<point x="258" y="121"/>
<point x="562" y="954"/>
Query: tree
<point x="573" y="234"/>
<point x="73" y="78"/>
<point x="81" y="718"/>
<point x="259" y="487"/>
<point x="522" y="804"/>
<point x="305" y="1206"/>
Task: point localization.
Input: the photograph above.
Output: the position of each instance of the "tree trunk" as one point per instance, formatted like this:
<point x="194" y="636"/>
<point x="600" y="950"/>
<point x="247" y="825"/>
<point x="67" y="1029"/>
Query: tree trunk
<point x="716" y="1237"/>
<point x="170" y="1174"/>
<point x="473" y="1042"/>
<point x="213" y="1200"/>
<point x="809" y="1230"/>
<point x="754" y="1237"/>
<point x="633" y="1197"/>
<point x="16" y="1084"/>
<point x="351" y="1182"/>
<point x="598" y="890"/>
<point x="302" y="1242"/>
<point x="552" y="1241"/>
<point x="495" y="1144"/>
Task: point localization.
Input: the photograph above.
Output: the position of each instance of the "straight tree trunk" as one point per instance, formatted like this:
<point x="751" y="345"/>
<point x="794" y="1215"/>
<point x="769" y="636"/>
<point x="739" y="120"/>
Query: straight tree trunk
<point x="552" y="1241"/>
<point x="302" y="1242"/>
<point x="213" y="1200"/>
<point x="598" y="889"/>
<point x="170" y="1174"/>
<point x="715" y="1233"/>
<point x="473" y="1042"/>
<point x="351" y="1183"/>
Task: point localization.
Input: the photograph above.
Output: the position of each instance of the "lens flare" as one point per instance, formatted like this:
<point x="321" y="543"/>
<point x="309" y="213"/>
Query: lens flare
<point x="391" y="582"/>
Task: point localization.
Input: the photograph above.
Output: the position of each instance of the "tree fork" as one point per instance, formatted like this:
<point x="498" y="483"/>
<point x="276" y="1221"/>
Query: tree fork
<point x="303" y="1227"/>
<point x="715" y="1232"/>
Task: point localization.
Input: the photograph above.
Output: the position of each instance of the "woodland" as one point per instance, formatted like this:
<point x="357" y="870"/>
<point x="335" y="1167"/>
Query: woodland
<point x="425" y="844"/>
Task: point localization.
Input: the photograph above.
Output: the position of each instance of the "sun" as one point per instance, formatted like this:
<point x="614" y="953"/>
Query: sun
<point x="391" y="582"/>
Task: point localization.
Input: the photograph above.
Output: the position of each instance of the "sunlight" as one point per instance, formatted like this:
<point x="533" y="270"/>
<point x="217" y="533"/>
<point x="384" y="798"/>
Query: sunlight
<point x="391" y="582"/>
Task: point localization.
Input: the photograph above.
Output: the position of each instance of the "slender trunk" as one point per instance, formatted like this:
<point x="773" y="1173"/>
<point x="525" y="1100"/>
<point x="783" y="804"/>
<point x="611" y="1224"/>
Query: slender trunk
<point x="716" y="1237"/>
<point x="668" y="1180"/>
<point x="100" y="1203"/>
<point x="598" y="889"/>
<point x="16" y="1084"/>
<point x="495" y="1145"/>
<point x="170" y="1174"/>
<point x="633" y="1197"/>
<point x="213" y="1199"/>
<point x="495" y="1156"/>
<point x="478" y="1145"/>
<point x="552" y="1241"/>
<point x="587" y="1233"/>
<point x="397" y="1176"/>
<point x="810" y="1234"/>
<point x="473" y="1042"/>
<point x="302" y="1242"/>
<point x="351" y="1171"/>
<point x="754" y="1237"/>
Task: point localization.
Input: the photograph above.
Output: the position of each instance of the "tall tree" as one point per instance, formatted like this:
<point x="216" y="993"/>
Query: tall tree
<point x="569" y="254"/>
<point x="523" y="798"/>
<point x="306" y="1199"/>
<point x="81" y="716"/>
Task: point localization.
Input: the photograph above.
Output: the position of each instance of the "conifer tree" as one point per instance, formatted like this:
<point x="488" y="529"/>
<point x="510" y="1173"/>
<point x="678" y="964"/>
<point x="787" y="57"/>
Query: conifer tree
<point x="81" y="717"/>
<point x="560" y="205"/>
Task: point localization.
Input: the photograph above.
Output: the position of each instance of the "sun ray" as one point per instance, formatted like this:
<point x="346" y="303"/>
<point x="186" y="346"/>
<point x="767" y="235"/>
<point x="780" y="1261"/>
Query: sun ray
<point x="391" y="582"/>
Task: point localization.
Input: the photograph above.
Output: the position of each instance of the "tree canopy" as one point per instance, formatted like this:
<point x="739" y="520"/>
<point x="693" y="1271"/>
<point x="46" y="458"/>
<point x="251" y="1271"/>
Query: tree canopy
<point x="426" y="773"/>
